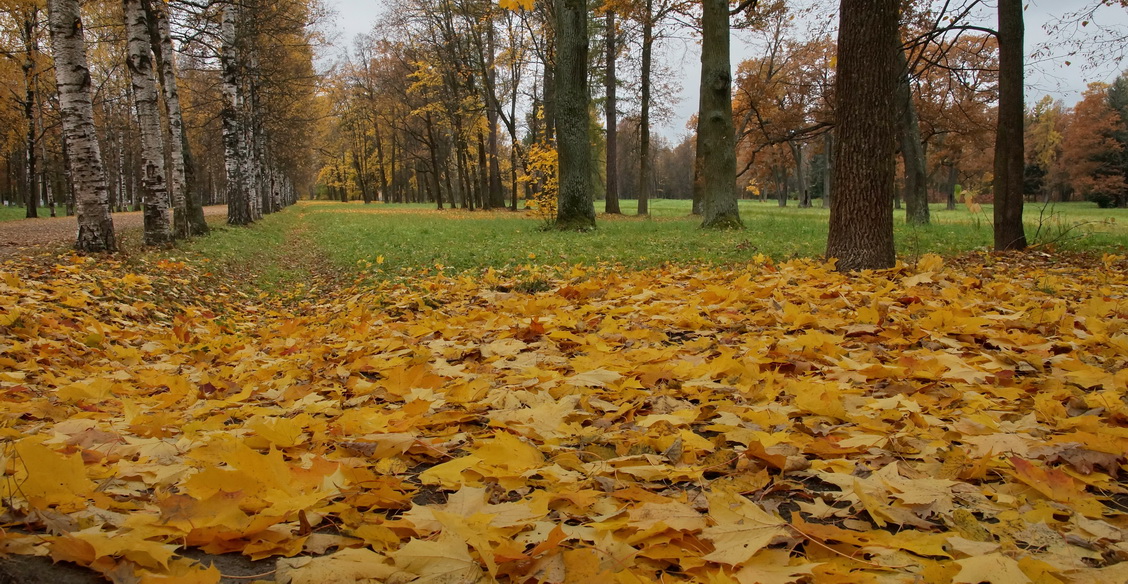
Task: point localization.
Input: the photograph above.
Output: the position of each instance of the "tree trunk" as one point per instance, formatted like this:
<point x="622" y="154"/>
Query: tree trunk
<point x="611" y="203"/>
<point x="828" y="181"/>
<point x="381" y="175"/>
<point x="950" y="187"/>
<point x="716" y="144"/>
<point x="861" y="214"/>
<point x="496" y="196"/>
<point x="188" y="215"/>
<point x="432" y="147"/>
<point x="30" y="99"/>
<point x="234" y="148"/>
<point x="698" y="207"/>
<point x="575" y="207"/>
<point x="800" y="158"/>
<point x="95" y="228"/>
<point x="1009" y="151"/>
<point x="155" y="201"/>
<point x="644" y="181"/>
<point x="912" y="153"/>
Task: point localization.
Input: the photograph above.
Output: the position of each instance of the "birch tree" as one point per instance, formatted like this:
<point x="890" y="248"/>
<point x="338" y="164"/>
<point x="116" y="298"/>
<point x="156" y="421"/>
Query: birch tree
<point x="234" y="142"/>
<point x="188" y="215"/>
<point x="95" y="228"/>
<point x="155" y="196"/>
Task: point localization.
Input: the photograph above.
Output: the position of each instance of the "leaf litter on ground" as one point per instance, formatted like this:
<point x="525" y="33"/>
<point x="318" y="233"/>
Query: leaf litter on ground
<point x="958" y="421"/>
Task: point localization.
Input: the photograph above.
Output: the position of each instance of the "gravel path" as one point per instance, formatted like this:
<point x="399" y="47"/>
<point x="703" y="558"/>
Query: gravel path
<point x="25" y="237"/>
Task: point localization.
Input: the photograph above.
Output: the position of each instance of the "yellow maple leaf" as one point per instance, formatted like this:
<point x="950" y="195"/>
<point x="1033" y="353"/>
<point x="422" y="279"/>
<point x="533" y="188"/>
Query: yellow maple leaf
<point x="743" y="528"/>
<point x="347" y="566"/>
<point x="46" y="478"/>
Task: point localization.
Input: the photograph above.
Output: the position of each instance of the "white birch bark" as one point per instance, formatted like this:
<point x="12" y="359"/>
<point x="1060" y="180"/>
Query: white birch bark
<point x="91" y="194"/>
<point x="234" y="142"/>
<point x="155" y="197"/>
<point x="160" y="39"/>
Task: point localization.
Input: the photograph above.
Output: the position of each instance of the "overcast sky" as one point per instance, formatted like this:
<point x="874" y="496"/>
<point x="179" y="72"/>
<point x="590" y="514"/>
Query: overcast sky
<point x="1047" y="73"/>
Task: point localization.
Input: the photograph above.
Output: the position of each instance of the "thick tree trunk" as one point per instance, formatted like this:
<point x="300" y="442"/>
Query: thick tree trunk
<point x="644" y="182"/>
<point x="912" y="153"/>
<point x="861" y="214"/>
<point x="716" y="144"/>
<point x="1009" y="151"/>
<point x="575" y="207"/>
<point x="611" y="203"/>
<point x="95" y="228"/>
<point x="234" y="148"/>
<point x="158" y="221"/>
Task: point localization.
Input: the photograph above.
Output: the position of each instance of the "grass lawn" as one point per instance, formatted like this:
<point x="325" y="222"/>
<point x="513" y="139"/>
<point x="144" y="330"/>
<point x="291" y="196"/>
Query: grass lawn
<point x="12" y="213"/>
<point x="18" y="212"/>
<point x="381" y="240"/>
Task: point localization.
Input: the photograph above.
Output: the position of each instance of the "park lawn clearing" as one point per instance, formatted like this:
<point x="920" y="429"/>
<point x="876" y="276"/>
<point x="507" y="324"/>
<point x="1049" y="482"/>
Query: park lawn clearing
<point x="947" y="421"/>
<point x="378" y="241"/>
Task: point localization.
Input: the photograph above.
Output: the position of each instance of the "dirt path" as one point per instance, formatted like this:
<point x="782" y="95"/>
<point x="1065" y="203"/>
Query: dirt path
<point x="27" y="237"/>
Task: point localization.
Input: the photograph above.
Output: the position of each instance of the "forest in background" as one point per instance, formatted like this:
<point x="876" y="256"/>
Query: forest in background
<point x="443" y="80"/>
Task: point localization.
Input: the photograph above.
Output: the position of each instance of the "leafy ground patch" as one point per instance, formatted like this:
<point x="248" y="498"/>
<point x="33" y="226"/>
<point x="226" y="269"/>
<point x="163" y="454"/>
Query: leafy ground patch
<point x="954" y="421"/>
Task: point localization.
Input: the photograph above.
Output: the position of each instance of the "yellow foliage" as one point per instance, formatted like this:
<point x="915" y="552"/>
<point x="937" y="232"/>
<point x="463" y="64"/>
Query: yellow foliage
<point x="542" y="162"/>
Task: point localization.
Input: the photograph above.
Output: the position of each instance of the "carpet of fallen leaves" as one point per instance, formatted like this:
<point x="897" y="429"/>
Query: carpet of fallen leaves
<point x="958" y="422"/>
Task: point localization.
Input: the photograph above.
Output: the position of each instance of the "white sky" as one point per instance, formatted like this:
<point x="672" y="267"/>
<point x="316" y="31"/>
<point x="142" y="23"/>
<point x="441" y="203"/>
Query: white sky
<point x="1048" y="75"/>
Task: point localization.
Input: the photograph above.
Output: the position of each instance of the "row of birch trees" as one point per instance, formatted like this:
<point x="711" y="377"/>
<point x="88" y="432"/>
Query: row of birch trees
<point x="162" y="105"/>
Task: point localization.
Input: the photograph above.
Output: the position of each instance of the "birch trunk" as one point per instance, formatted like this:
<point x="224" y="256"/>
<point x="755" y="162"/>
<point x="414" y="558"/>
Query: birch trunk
<point x="95" y="228"/>
<point x="158" y="221"/>
<point x="188" y="214"/>
<point x="234" y="151"/>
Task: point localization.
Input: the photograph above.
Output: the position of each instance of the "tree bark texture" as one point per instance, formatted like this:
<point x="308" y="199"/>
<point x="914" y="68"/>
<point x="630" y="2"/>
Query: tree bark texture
<point x="912" y="153"/>
<point x="575" y="207"/>
<point x="644" y="179"/>
<point x="31" y="48"/>
<point x="828" y="175"/>
<point x="1009" y="147"/>
<point x="611" y="203"/>
<point x="185" y="206"/>
<point x="234" y="145"/>
<point x="155" y="199"/>
<point x="800" y="157"/>
<point x="716" y="143"/>
<point x="496" y="193"/>
<point x="92" y="196"/>
<point x="861" y="214"/>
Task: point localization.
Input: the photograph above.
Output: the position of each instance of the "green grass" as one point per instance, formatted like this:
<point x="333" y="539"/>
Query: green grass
<point x="13" y="213"/>
<point x="20" y="212"/>
<point x="380" y="241"/>
<point x="267" y="256"/>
